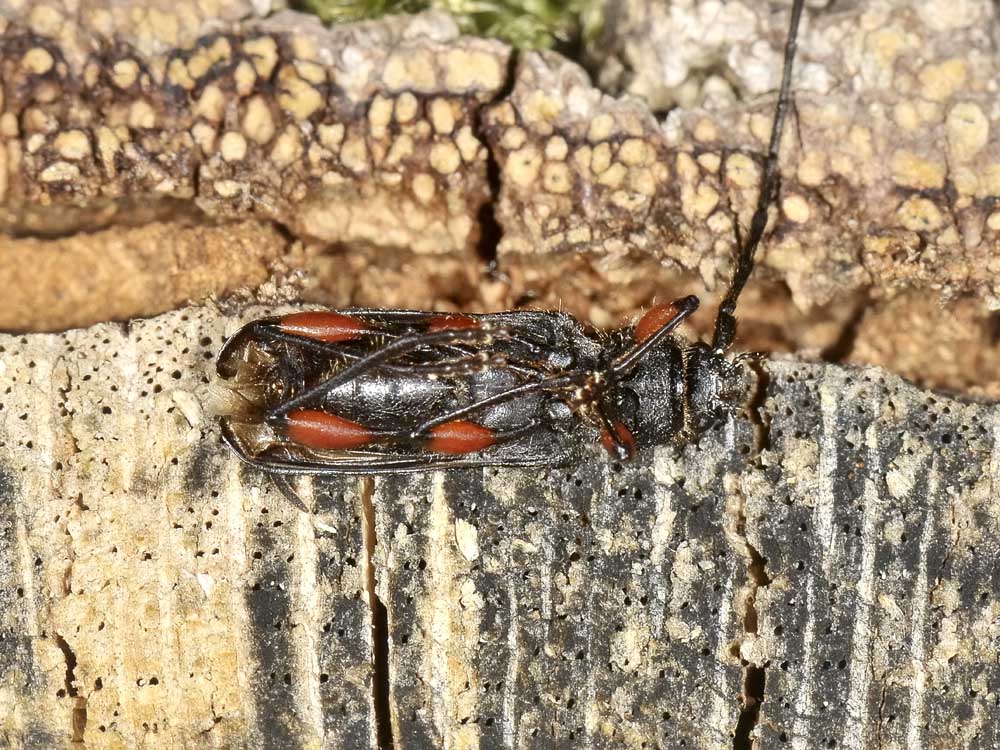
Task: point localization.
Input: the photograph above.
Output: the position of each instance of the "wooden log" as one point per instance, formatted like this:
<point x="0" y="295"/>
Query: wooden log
<point x="822" y="569"/>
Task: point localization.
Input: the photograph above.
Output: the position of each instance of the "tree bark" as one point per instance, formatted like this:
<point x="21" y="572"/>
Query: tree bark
<point x="820" y="569"/>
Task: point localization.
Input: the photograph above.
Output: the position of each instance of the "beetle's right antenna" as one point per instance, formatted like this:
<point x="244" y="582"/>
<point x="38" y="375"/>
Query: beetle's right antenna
<point x="725" y="321"/>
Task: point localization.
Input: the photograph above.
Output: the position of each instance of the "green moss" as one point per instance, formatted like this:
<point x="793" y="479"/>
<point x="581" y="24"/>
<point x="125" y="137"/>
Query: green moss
<point x="530" y="24"/>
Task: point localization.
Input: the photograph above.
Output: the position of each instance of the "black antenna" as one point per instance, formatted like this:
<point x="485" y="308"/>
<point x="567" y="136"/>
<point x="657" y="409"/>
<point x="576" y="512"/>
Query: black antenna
<point x="725" y="322"/>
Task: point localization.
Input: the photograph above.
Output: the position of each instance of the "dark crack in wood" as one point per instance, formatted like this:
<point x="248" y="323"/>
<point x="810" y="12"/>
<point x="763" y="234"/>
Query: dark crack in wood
<point x="380" y="623"/>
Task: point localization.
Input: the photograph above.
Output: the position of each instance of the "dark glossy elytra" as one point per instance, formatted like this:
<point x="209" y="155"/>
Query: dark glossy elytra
<point x="381" y="391"/>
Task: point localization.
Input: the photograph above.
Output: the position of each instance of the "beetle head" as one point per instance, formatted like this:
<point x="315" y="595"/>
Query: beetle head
<point x="715" y="386"/>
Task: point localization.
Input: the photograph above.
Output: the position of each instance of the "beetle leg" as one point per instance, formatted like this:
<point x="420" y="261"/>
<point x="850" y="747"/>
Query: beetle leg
<point x="284" y="484"/>
<point x="334" y="350"/>
<point x="654" y="326"/>
<point x="615" y="437"/>
<point x="551" y="382"/>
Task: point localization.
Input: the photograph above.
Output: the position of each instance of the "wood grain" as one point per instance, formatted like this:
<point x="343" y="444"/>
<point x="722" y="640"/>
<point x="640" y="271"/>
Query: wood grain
<point x="835" y="555"/>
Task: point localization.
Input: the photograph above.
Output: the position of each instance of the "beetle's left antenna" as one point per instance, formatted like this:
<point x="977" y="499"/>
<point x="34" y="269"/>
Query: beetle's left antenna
<point x="725" y="321"/>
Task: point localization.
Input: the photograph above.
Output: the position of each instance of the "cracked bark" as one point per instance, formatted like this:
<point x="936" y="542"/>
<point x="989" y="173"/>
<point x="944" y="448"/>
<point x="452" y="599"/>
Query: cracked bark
<point x="392" y="152"/>
<point x="595" y="605"/>
<point x="381" y="697"/>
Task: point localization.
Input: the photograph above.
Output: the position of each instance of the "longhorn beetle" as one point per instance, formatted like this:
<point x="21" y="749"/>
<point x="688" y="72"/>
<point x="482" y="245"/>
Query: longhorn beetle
<point x="381" y="391"/>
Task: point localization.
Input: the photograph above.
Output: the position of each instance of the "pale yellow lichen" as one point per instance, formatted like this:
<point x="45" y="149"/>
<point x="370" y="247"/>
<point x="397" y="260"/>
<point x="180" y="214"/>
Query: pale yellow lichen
<point x="613" y="176"/>
<point x="600" y="159"/>
<point x="687" y="168"/>
<point x="442" y="117"/>
<point x="9" y="127"/>
<point x="913" y="171"/>
<point x="444" y="157"/>
<point x="287" y="148"/>
<point x="37" y="60"/>
<point x="940" y="81"/>
<point x="227" y="188"/>
<point x="258" y="123"/>
<point x="60" y="171"/>
<point x="705" y="131"/>
<point x="406" y="107"/>
<point x="380" y="115"/>
<point x="141" y="115"/>
<point x="298" y="97"/>
<point x="919" y="215"/>
<point x="410" y="69"/>
<point x="211" y="104"/>
<point x="582" y="157"/>
<point x="46" y="19"/>
<point x="640" y="180"/>
<point x="796" y="208"/>
<point x="34" y="143"/>
<point x="600" y="128"/>
<point x="634" y="152"/>
<point x="468" y="145"/>
<point x="233" y="146"/>
<point x="311" y="72"/>
<point x="108" y="145"/>
<point x="760" y="127"/>
<point x="968" y="131"/>
<point x="513" y="138"/>
<point x="424" y="187"/>
<point x="886" y="44"/>
<point x="742" y="171"/>
<point x="811" y="171"/>
<point x="264" y="52"/>
<point x="540" y="110"/>
<point x="472" y="69"/>
<point x="178" y="74"/>
<point x="73" y="145"/>
<point x="401" y="149"/>
<point x="245" y="78"/>
<point x="354" y="154"/>
<point x="524" y="165"/>
<point x="556" y="178"/>
<point x="204" y="135"/>
<point x="124" y="73"/>
<point x="202" y="61"/>
<point x="704" y="201"/>
<point x="710" y="162"/>
<point x="556" y="148"/>
<point x="331" y="136"/>
<point x="92" y="74"/>
<point x="906" y="116"/>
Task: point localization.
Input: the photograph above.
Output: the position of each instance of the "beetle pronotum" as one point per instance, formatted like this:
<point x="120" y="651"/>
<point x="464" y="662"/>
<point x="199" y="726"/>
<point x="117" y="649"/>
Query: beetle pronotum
<point x="380" y="391"/>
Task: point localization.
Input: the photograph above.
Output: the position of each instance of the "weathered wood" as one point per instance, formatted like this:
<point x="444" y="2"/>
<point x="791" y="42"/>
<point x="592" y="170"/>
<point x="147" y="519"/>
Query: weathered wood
<point x="373" y="163"/>
<point x="843" y="552"/>
<point x="150" y="585"/>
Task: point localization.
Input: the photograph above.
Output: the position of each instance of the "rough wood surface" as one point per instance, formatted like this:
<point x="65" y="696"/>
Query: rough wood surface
<point x="836" y="556"/>
<point x="377" y="162"/>
<point x="822" y="572"/>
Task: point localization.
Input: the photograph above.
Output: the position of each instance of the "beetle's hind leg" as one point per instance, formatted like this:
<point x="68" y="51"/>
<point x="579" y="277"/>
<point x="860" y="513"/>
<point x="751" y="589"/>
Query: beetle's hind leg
<point x="653" y="327"/>
<point x="551" y="383"/>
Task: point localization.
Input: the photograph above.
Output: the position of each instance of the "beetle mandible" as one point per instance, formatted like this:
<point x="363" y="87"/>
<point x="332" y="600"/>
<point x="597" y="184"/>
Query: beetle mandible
<point x="362" y="391"/>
